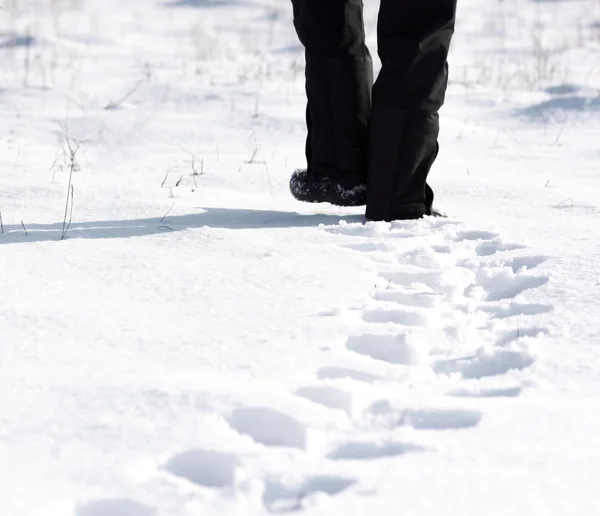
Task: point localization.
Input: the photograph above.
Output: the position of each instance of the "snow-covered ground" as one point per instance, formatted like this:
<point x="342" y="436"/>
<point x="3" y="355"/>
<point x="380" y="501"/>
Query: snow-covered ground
<point x="197" y="342"/>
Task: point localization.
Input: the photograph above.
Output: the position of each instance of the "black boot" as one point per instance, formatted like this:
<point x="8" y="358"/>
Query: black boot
<point x="339" y="77"/>
<point x="347" y="190"/>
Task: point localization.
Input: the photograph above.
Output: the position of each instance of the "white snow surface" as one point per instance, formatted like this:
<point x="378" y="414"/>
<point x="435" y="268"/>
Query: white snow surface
<point x="199" y="343"/>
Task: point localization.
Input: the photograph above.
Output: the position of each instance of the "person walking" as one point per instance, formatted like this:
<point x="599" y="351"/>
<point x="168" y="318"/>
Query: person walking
<point x="368" y="143"/>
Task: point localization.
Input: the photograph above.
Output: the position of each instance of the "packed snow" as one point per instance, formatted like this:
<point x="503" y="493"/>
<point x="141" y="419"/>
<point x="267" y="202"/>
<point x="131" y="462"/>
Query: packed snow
<point x="178" y="336"/>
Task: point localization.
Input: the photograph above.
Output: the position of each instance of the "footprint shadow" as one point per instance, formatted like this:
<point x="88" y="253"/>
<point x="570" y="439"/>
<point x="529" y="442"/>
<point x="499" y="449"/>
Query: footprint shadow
<point x="372" y="450"/>
<point x="337" y="373"/>
<point x="485" y="365"/>
<point x="269" y="427"/>
<point x="117" y="507"/>
<point x="281" y="498"/>
<point x="521" y="333"/>
<point x="206" y="468"/>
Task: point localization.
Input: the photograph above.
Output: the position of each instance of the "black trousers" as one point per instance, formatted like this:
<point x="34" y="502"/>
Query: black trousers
<point x="386" y="132"/>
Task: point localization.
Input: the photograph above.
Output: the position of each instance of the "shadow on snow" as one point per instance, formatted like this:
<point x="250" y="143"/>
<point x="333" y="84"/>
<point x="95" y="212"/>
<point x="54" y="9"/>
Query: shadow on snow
<point x="217" y="218"/>
<point x="548" y="110"/>
<point x="17" y="42"/>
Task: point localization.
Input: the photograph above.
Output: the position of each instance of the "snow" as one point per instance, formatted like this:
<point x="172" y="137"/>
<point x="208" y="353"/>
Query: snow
<point x="200" y="343"/>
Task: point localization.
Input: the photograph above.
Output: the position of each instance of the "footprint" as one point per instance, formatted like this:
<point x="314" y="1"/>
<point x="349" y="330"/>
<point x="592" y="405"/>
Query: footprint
<point x="521" y="333"/>
<point x="394" y="349"/>
<point x="526" y="262"/>
<point x="279" y="497"/>
<point x="484" y="365"/>
<point x="329" y="396"/>
<point x="368" y="230"/>
<point x="410" y="277"/>
<point x="370" y="247"/>
<point x="506" y="392"/>
<point x="493" y="247"/>
<point x="425" y="419"/>
<point x="475" y="235"/>
<point x="410" y="298"/>
<point x="515" y="309"/>
<point x="424" y="258"/>
<point x="204" y="467"/>
<point x="440" y="419"/>
<point x="269" y="427"/>
<point x="504" y="286"/>
<point x="439" y="223"/>
<point x="336" y="373"/>
<point x="395" y="316"/>
<point x="121" y="507"/>
<point x="372" y="450"/>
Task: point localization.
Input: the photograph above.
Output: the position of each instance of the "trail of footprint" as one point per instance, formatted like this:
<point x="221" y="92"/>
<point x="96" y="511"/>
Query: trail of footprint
<point x="269" y="427"/>
<point x="360" y="450"/>
<point x="497" y="363"/>
<point x="117" y="507"/>
<point x="279" y="497"/>
<point x="204" y="467"/>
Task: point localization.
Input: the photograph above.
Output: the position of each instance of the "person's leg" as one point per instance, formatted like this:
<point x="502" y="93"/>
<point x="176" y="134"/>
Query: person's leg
<point x="339" y="78"/>
<point x="414" y="40"/>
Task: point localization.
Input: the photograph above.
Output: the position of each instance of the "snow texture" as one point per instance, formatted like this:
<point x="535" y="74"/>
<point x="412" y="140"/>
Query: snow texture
<point x="178" y="336"/>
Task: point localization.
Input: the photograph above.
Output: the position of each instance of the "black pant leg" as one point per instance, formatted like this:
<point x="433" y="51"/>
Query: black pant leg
<point x="414" y="40"/>
<point x="339" y="77"/>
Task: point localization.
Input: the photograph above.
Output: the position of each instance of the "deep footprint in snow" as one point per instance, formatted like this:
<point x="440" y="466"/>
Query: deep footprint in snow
<point x="493" y="247"/>
<point x="328" y="396"/>
<point x="358" y="450"/>
<point x="440" y="419"/>
<point x="426" y="419"/>
<point x="204" y="467"/>
<point x="521" y="333"/>
<point x="279" y="497"/>
<point x="269" y="427"/>
<point x="121" y="507"/>
<point x="503" y="286"/>
<point x="431" y="278"/>
<point x="370" y="247"/>
<point x="369" y="230"/>
<point x="410" y="298"/>
<point x="520" y="263"/>
<point x="403" y="317"/>
<point x="483" y="365"/>
<point x="336" y="373"/>
<point x="515" y="309"/>
<point x="475" y="235"/>
<point x="394" y="349"/>
<point x="500" y="392"/>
